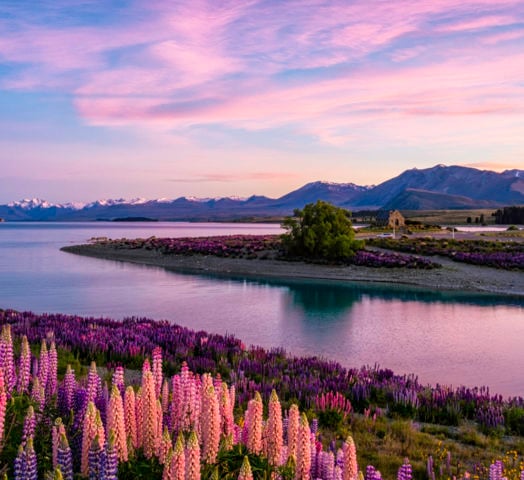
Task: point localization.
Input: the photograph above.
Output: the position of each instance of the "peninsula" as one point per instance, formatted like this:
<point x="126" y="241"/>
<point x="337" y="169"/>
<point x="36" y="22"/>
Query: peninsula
<point x="452" y="276"/>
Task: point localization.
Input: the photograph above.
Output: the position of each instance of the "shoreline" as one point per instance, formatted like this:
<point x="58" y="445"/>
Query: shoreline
<point x="453" y="276"/>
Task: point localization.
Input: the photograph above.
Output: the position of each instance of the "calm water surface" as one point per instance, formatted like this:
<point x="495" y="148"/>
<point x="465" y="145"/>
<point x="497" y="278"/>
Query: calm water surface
<point x="442" y="337"/>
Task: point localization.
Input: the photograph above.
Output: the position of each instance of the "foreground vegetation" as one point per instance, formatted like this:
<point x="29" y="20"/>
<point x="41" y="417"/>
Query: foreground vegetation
<point x="215" y="426"/>
<point x="505" y="255"/>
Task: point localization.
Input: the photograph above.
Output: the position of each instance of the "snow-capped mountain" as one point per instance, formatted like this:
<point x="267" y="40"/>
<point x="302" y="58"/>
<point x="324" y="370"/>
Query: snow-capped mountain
<point x="431" y="188"/>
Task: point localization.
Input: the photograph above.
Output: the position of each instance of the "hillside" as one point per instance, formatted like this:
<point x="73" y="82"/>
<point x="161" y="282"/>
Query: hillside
<point x="435" y="188"/>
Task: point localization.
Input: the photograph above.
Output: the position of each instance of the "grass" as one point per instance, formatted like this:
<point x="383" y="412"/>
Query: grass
<point x="450" y="217"/>
<point x="385" y="442"/>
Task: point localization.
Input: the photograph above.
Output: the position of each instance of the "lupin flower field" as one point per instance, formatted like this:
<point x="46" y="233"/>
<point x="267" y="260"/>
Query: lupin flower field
<point x="169" y="403"/>
<point x="261" y="247"/>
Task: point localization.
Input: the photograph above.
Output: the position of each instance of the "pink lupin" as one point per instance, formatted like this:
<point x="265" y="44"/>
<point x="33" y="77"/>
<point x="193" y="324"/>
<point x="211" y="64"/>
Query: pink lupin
<point x="165" y="447"/>
<point x="139" y="409"/>
<point x="175" y="466"/>
<point x="274" y="433"/>
<point x="292" y="430"/>
<point x="245" y="470"/>
<point x="232" y="398"/>
<point x="149" y="414"/>
<point x="167" y="474"/>
<point x="175" y="406"/>
<point x="193" y="457"/>
<point x="146" y="366"/>
<point x="227" y="423"/>
<point x="24" y="368"/>
<point x="89" y="432"/>
<point x="350" y="466"/>
<point x="130" y="416"/>
<point x="254" y="424"/>
<point x="210" y="424"/>
<point x="159" y="426"/>
<point x="157" y="369"/>
<point x="303" y="468"/>
<point x="165" y="397"/>
<point x="3" y="405"/>
<point x="100" y="431"/>
<point x="116" y="423"/>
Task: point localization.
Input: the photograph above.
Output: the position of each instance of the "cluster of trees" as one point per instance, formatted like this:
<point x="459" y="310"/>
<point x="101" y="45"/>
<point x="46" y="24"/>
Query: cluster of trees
<point x="320" y="231"/>
<point x="506" y="215"/>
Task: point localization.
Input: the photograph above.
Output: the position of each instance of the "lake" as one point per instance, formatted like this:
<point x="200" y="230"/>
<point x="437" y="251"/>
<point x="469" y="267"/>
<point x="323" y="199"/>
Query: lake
<point x="447" y="338"/>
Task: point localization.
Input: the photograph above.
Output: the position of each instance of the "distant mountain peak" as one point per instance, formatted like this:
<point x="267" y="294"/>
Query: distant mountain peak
<point x="30" y="203"/>
<point x="433" y="188"/>
<point x="116" y="201"/>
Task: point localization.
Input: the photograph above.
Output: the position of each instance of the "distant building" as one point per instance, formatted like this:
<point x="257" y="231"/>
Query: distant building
<point x="391" y="219"/>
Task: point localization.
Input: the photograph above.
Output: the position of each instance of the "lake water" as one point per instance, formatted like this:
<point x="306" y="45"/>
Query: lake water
<point x="451" y="338"/>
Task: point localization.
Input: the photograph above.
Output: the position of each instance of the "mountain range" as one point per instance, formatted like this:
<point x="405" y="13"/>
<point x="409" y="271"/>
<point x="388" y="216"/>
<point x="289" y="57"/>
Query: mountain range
<point x="436" y="188"/>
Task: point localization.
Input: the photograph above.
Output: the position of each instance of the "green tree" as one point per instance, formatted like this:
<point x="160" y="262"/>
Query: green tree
<point x="320" y="231"/>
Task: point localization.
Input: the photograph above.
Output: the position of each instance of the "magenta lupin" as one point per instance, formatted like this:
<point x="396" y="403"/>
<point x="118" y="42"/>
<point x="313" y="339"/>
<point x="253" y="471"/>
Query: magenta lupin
<point x="24" y="367"/>
<point x="7" y="360"/>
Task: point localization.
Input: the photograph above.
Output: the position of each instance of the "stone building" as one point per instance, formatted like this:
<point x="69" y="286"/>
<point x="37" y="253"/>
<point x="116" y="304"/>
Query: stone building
<point x="391" y="219"/>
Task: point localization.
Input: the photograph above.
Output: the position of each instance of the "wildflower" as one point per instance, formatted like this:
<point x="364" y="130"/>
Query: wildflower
<point x="405" y="471"/>
<point x="64" y="458"/>
<point x="29" y="425"/>
<point x="7" y="361"/>
<point x="116" y="424"/>
<point x="210" y="424"/>
<point x="350" y="467"/>
<point x="193" y="458"/>
<point x="24" y="368"/>
<point x="302" y="471"/>
<point x="3" y="405"/>
<point x="149" y="415"/>
<point x="245" y="470"/>
<point x="292" y="429"/>
<point x="157" y="370"/>
<point x="130" y="416"/>
<point x="274" y="431"/>
<point x="175" y="464"/>
<point x="52" y="365"/>
<point x="254" y="424"/>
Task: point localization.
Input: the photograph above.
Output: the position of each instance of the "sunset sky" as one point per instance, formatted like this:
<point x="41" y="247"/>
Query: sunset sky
<point x="150" y="98"/>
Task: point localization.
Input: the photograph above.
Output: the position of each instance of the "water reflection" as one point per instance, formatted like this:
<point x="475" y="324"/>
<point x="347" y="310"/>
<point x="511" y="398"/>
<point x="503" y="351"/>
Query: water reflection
<point x="336" y="297"/>
<point x="446" y="337"/>
<point x="321" y="299"/>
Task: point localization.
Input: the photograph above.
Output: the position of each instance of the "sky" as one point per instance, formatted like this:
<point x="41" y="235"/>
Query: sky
<point x="159" y="99"/>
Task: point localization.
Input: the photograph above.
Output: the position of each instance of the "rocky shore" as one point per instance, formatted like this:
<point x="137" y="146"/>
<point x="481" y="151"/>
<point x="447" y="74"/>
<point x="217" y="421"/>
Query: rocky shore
<point x="452" y="276"/>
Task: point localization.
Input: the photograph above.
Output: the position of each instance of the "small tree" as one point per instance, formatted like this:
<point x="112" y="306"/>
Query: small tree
<point x="320" y="231"/>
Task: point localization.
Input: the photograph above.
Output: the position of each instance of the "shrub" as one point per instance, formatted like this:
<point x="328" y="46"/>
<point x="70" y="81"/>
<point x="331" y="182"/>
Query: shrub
<point x="320" y="231"/>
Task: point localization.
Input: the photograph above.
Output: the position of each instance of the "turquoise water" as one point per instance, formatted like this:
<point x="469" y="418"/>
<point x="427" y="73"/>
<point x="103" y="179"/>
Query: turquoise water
<point x="449" y="338"/>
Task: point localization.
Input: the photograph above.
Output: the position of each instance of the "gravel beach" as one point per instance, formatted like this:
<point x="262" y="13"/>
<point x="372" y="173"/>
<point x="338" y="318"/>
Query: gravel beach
<point x="453" y="276"/>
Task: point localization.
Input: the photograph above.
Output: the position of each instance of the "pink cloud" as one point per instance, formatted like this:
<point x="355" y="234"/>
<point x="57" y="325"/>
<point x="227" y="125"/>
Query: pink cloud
<point x="496" y="166"/>
<point x="479" y="23"/>
<point x="237" y="177"/>
<point x="503" y="37"/>
<point x="227" y="63"/>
